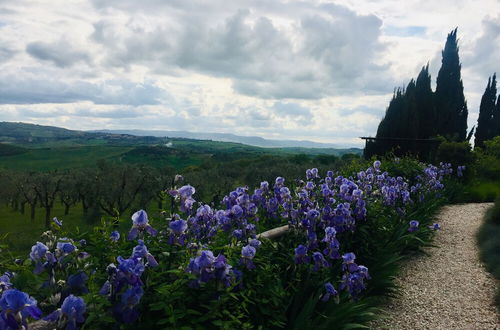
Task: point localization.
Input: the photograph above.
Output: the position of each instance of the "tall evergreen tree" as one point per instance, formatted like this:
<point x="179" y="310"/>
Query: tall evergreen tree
<point x="451" y="107"/>
<point x="496" y="119"/>
<point x="425" y="109"/>
<point x="485" y="123"/>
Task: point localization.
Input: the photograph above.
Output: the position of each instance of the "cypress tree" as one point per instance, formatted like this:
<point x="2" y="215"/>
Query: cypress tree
<point x="496" y="119"/>
<point x="485" y="122"/>
<point x="451" y="107"/>
<point x="425" y="108"/>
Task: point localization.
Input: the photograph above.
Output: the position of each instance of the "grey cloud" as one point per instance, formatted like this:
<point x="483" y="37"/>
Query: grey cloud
<point x="117" y="113"/>
<point x="61" y="53"/>
<point x="332" y="53"/>
<point x="15" y="90"/>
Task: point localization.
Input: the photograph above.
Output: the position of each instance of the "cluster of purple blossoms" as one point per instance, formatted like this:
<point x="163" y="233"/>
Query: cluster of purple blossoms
<point x="185" y="195"/>
<point x="301" y="256"/>
<point x="460" y="171"/>
<point x="124" y="284"/>
<point x="207" y="267"/>
<point x="42" y="257"/>
<point x="329" y="292"/>
<point x="248" y="253"/>
<point x="140" y="223"/>
<point x="353" y="280"/>
<point x="178" y="229"/>
<point x="332" y="244"/>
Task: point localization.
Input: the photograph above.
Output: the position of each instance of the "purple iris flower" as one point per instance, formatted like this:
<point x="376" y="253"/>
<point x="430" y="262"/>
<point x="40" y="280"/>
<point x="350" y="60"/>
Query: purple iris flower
<point x="186" y="191"/>
<point x="301" y="255"/>
<point x="264" y="185"/>
<point x="141" y="251"/>
<point x="376" y="165"/>
<point x="237" y="211"/>
<point x="71" y="313"/>
<point x="38" y="251"/>
<point x="330" y="292"/>
<point x="115" y="236"/>
<point x="15" y="307"/>
<point x="238" y="233"/>
<point x="255" y="243"/>
<point x="348" y="262"/>
<point x="319" y="261"/>
<point x="247" y="254"/>
<point x="178" y="227"/>
<point x="140" y="223"/>
<point x="130" y="269"/>
<point x="413" y="226"/>
<point x="77" y="281"/>
<point x="65" y="247"/>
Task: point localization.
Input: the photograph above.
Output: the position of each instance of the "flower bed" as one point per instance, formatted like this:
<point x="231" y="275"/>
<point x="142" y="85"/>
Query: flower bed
<point x="206" y="267"/>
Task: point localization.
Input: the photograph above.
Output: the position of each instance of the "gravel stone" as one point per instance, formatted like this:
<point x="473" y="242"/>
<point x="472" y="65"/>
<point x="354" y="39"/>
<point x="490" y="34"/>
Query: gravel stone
<point x="448" y="288"/>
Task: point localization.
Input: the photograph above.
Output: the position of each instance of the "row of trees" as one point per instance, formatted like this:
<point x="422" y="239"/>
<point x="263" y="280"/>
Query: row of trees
<point x="488" y="123"/>
<point x="416" y="113"/>
<point x="108" y="188"/>
<point x="115" y="189"/>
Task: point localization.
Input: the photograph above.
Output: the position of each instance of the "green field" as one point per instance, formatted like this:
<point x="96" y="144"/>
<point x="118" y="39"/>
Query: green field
<point x="45" y="159"/>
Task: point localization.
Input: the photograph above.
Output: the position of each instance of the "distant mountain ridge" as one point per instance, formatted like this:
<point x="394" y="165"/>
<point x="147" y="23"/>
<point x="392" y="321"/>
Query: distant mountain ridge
<point x="29" y="135"/>
<point x="227" y="137"/>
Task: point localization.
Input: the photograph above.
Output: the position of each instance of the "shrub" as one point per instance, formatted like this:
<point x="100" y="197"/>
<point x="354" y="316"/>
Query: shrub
<point x="456" y="153"/>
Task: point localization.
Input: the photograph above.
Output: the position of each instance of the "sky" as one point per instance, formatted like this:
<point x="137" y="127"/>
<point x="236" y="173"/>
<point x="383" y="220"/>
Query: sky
<point x="312" y="70"/>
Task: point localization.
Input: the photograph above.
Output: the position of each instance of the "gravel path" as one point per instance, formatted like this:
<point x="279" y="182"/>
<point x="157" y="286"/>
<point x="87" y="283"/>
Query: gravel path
<point x="449" y="288"/>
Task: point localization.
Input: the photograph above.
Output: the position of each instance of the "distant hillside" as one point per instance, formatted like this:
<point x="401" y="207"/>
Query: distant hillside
<point x="226" y="137"/>
<point x="38" y="136"/>
<point x="30" y="132"/>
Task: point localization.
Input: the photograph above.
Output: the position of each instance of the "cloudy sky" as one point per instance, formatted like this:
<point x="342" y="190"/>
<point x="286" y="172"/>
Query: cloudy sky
<point x="315" y="70"/>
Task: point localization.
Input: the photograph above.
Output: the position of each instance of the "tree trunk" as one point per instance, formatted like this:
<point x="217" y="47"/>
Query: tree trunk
<point x="47" y="216"/>
<point x="23" y="204"/>
<point x="66" y="209"/>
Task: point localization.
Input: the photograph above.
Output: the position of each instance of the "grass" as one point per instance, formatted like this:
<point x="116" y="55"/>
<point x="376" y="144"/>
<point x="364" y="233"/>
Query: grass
<point x="20" y="233"/>
<point x="62" y="158"/>
<point x="485" y="191"/>
<point x="489" y="243"/>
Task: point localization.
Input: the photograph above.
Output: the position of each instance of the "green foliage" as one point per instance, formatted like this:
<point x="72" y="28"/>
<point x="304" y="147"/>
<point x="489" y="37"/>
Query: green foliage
<point x="456" y="153"/>
<point x="10" y="150"/>
<point x="489" y="245"/>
